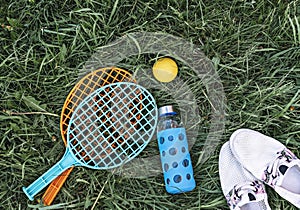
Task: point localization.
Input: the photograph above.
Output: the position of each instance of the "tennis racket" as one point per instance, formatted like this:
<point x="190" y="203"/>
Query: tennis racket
<point x="87" y="84"/>
<point x="110" y="127"/>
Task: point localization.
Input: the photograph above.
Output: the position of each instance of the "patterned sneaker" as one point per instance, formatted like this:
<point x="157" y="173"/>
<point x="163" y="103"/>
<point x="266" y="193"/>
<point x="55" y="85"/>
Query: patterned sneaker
<point x="241" y="189"/>
<point x="269" y="161"/>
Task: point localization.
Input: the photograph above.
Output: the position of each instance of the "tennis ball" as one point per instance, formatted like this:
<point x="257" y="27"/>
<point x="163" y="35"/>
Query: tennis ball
<point x="165" y="69"/>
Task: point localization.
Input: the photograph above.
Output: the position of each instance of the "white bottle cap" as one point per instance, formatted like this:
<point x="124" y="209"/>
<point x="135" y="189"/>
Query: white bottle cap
<point x="166" y="110"/>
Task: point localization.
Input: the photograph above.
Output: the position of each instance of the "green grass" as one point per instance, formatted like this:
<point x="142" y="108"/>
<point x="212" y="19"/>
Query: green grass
<point x="254" y="46"/>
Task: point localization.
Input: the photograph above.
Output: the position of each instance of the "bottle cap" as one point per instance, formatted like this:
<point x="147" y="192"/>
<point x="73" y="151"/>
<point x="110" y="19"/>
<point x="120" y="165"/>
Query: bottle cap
<point x="165" y="110"/>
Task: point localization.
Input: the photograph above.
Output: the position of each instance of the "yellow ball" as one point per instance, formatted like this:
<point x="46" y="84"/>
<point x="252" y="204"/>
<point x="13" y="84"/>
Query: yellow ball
<point x="165" y="70"/>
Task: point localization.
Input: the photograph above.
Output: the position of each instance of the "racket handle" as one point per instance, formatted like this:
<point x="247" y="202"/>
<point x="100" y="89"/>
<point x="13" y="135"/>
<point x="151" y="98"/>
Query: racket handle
<point x="55" y="186"/>
<point x="66" y="162"/>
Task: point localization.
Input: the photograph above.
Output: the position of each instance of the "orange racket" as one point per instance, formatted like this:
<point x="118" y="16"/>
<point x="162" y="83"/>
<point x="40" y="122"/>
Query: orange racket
<point x="86" y="85"/>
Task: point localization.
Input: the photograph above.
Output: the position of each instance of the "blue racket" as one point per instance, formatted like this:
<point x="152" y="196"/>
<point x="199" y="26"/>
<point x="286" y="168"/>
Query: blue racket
<point x="110" y="127"/>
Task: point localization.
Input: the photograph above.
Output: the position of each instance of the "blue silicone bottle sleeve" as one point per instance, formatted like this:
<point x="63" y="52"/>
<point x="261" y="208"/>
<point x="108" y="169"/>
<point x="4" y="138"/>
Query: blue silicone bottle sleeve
<point x="175" y="160"/>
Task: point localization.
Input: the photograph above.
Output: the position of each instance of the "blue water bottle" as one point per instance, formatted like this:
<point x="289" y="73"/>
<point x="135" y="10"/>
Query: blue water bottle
<point x="174" y="154"/>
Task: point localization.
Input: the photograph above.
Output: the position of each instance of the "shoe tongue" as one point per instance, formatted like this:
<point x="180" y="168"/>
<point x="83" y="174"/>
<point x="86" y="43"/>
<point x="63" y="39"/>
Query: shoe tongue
<point x="283" y="169"/>
<point x="260" y="205"/>
<point x="290" y="178"/>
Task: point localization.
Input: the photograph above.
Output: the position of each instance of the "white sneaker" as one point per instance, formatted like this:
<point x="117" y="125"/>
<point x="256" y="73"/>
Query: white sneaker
<point x="241" y="189"/>
<point x="269" y="161"/>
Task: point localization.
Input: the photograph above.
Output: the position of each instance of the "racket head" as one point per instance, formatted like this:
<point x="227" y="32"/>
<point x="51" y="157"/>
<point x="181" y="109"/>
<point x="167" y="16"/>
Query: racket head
<point x="86" y="85"/>
<point x="112" y="125"/>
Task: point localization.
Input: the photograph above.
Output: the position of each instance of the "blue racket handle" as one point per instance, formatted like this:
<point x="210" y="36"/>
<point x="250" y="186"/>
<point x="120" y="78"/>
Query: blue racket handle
<point x="66" y="162"/>
<point x="176" y="161"/>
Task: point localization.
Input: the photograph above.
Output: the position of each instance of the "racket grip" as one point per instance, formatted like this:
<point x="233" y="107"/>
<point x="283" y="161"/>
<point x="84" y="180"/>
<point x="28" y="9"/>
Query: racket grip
<point x="66" y="162"/>
<point x="54" y="187"/>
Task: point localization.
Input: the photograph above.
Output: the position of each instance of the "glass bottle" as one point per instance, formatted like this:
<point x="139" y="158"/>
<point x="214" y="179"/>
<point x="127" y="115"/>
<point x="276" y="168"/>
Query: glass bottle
<point x="174" y="154"/>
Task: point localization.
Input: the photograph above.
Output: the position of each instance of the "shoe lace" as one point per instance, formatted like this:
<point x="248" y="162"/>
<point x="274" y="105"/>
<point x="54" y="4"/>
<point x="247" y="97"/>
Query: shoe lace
<point x="244" y="188"/>
<point x="272" y="174"/>
<point x="236" y="194"/>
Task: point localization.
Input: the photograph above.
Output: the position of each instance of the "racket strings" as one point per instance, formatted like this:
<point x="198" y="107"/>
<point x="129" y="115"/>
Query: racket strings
<point x="112" y="125"/>
<point x="89" y="84"/>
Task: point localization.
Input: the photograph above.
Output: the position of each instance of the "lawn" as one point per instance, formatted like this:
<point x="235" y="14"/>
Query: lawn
<point x="254" y="47"/>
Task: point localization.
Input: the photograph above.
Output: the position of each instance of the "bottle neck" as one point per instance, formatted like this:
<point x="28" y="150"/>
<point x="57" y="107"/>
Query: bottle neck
<point x="168" y="114"/>
<point x="168" y="120"/>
